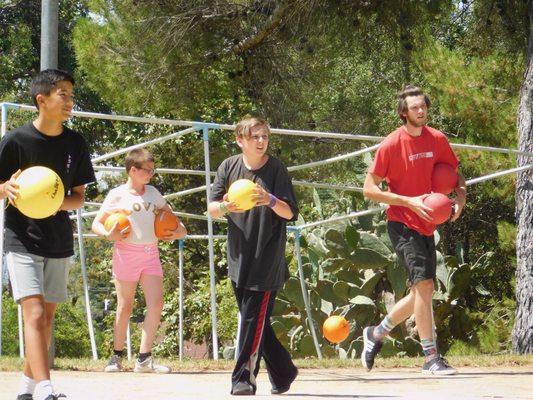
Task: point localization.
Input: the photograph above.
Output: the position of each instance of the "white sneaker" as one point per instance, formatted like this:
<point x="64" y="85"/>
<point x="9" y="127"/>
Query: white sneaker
<point x="149" y="366"/>
<point x="114" y="364"/>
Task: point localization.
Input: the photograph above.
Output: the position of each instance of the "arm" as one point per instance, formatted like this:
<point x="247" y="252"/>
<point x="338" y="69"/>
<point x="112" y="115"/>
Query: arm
<point x="180" y="232"/>
<point x="460" y="197"/>
<point x="114" y="234"/>
<point x="279" y="206"/>
<point x="219" y="208"/>
<point x="9" y="188"/>
<point x="75" y="199"/>
<point x="372" y="191"/>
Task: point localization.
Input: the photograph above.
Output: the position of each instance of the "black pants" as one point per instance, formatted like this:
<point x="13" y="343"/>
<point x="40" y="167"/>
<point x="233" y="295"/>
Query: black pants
<point x="257" y="339"/>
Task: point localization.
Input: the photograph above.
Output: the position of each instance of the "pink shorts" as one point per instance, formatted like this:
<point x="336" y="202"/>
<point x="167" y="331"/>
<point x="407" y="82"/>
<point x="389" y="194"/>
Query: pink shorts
<point x="130" y="261"/>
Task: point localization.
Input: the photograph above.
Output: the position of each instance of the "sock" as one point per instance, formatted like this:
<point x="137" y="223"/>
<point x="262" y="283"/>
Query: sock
<point x="119" y="353"/>
<point x="429" y="347"/>
<point x="144" y="356"/>
<point x="44" y="389"/>
<point x="28" y="385"/>
<point x="383" y="328"/>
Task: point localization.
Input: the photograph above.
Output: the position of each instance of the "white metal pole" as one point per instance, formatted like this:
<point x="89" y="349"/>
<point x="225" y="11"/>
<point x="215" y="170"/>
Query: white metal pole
<point x="85" y="284"/>
<point x="180" y="258"/>
<point x="210" y="244"/>
<point x="237" y="345"/>
<point x="305" y="294"/>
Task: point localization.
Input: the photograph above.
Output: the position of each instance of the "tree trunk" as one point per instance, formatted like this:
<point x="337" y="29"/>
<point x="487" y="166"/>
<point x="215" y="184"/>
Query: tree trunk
<point x="523" y="328"/>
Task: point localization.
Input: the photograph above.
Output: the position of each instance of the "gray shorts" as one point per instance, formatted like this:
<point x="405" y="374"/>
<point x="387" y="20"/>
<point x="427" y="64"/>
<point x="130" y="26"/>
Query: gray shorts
<point x="32" y="275"/>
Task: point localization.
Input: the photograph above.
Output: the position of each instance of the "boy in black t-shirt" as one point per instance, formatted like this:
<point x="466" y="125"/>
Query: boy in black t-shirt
<point x="256" y="254"/>
<point x="38" y="251"/>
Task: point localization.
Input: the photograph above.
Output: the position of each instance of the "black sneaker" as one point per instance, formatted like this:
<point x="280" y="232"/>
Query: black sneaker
<point x="438" y="366"/>
<point x="370" y="349"/>
<point x="56" y="396"/>
<point x="285" y="388"/>
<point x="242" y="389"/>
<point x="25" y="396"/>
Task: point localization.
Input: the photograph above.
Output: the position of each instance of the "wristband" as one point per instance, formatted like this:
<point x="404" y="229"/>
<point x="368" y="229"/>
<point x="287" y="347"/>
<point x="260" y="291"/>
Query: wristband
<point x="222" y="208"/>
<point x="273" y="200"/>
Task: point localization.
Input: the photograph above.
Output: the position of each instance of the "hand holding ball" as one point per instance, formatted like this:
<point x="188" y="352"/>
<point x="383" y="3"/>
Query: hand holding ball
<point x="241" y="194"/>
<point x="441" y="206"/>
<point x="117" y="218"/>
<point x="165" y="224"/>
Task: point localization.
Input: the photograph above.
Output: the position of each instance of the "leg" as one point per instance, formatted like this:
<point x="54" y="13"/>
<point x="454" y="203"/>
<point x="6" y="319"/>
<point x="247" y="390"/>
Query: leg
<point x="35" y="338"/>
<point x="49" y="310"/>
<point x="423" y="295"/>
<point x="153" y="293"/>
<point x="125" y="298"/>
<point x="253" y="309"/>
<point x="281" y="370"/>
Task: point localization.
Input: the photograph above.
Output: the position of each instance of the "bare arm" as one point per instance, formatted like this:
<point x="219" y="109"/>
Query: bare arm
<point x="460" y="197"/>
<point x="114" y="234"/>
<point x="280" y="207"/>
<point x="10" y="188"/>
<point x="75" y="199"/>
<point x="372" y="191"/>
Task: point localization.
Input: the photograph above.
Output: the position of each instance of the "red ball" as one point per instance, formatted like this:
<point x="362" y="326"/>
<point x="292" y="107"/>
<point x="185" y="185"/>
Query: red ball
<point x="444" y="178"/>
<point x="441" y="206"/>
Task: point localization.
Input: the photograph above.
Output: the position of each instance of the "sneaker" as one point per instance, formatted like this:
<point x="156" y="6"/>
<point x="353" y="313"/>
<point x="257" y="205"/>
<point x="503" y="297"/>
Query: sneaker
<point x="149" y="366"/>
<point x="56" y="396"/>
<point x="25" y="396"/>
<point x="438" y="366"/>
<point x="114" y="364"/>
<point x="242" y="389"/>
<point x="371" y="348"/>
<point x="285" y="388"/>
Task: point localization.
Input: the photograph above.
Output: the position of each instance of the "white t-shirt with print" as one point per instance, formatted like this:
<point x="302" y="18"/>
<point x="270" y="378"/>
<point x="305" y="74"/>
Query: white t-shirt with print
<point x="143" y="209"/>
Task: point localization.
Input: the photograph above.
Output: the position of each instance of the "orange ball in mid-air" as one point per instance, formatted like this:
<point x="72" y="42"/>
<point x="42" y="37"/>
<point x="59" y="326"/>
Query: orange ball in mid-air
<point x="336" y="329"/>
<point x="164" y="222"/>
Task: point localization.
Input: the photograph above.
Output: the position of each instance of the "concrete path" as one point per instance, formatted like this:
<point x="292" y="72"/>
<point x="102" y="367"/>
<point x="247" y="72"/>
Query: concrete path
<point x="470" y="383"/>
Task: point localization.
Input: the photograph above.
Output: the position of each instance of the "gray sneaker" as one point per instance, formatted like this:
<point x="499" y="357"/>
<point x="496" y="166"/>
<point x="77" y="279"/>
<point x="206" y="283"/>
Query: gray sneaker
<point x="438" y="366"/>
<point x="149" y="366"/>
<point x="114" y="364"/>
<point x="25" y="396"/>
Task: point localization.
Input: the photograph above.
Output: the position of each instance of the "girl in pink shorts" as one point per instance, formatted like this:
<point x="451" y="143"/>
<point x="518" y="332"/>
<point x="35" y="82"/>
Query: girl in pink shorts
<point x="136" y="256"/>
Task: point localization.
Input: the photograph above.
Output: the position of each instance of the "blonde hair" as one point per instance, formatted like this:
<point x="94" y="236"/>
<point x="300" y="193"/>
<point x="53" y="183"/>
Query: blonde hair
<point x="245" y="125"/>
<point x="137" y="157"/>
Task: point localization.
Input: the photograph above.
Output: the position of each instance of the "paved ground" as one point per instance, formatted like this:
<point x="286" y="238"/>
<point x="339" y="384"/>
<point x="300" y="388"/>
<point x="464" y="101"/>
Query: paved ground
<point x="471" y="383"/>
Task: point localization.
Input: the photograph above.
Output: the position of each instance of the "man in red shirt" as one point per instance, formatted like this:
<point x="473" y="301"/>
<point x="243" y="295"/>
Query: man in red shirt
<point x="405" y="161"/>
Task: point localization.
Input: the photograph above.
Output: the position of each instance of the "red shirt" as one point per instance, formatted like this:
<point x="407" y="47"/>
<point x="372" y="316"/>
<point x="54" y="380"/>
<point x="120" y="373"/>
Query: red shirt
<point x="406" y="163"/>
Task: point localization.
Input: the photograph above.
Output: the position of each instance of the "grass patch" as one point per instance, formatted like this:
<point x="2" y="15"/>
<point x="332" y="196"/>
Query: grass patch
<point x="481" y="361"/>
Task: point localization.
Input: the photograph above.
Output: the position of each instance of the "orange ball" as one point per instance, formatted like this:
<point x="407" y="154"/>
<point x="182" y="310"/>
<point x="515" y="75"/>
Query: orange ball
<point x="120" y="218"/>
<point x="336" y="329"/>
<point x="165" y="221"/>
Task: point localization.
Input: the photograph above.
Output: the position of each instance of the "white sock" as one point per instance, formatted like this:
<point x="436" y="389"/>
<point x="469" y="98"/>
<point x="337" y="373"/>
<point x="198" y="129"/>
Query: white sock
<point x="28" y="385"/>
<point x="44" y="389"/>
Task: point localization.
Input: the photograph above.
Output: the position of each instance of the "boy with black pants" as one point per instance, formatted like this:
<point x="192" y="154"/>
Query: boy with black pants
<point x="405" y="160"/>
<point x="39" y="251"/>
<point x="256" y="254"/>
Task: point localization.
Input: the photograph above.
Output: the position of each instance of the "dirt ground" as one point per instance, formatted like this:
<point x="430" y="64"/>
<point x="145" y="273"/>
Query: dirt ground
<point x="401" y="383"/>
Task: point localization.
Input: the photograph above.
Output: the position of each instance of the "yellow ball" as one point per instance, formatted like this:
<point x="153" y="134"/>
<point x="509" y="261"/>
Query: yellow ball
<point x="240" y="192"/>
<point x="41" y="192"/>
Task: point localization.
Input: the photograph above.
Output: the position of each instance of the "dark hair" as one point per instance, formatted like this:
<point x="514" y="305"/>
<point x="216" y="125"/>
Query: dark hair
<point x="46" y="80"/>
<point x="137" y="157"/>
<point x="409" y="91"/>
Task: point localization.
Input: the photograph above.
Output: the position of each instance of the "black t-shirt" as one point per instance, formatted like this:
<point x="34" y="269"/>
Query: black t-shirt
<point x="256" y="238"/>
<point x="66" y="154"/>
